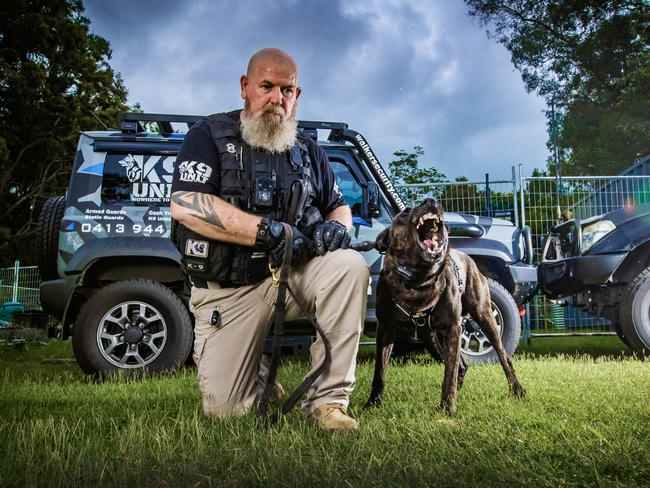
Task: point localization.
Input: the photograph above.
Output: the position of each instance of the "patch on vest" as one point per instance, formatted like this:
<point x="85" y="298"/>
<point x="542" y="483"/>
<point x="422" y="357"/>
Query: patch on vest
<point x="230" y="147"/>
<point x="194" y="172"/>
<point x="196" y="248"/>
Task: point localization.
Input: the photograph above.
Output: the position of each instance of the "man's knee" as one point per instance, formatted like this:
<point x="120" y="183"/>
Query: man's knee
<point x="350" y="264"/>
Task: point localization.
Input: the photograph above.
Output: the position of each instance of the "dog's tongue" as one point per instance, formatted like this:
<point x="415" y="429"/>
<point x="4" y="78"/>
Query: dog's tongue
<point x="428" y="244"/>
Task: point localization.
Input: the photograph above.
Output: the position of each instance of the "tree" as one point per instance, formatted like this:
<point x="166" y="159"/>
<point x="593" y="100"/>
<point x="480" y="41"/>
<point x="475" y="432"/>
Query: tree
<point x="406" y="170"/>
<point x="53" y="74"/>
<point x="591" y="60"/>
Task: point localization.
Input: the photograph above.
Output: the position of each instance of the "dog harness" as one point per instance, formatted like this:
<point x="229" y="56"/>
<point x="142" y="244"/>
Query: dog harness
<point x="423" y="317"/>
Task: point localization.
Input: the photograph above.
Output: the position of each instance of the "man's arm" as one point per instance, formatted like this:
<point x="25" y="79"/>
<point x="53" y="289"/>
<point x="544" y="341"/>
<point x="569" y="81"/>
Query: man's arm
<point x="214" y="218"/>
<point x="343" y="214"/>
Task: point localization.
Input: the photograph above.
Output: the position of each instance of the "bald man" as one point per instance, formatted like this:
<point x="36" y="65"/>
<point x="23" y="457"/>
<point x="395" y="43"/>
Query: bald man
<point x="238" y="177"/>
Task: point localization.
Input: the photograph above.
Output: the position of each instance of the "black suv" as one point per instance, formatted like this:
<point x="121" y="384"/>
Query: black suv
<point x="113" y="278"/>
<point x="602" y="264"/>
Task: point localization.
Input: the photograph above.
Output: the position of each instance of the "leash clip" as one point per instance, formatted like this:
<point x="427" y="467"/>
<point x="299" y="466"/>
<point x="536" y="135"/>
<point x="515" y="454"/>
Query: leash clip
<point x="275" y="276"/>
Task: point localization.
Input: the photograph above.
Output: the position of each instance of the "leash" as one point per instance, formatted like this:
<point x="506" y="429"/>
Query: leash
<point x="280" y="279"/>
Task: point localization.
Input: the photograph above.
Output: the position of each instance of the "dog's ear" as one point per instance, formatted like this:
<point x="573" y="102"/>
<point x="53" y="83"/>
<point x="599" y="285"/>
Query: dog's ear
<point x="383" y="240"/>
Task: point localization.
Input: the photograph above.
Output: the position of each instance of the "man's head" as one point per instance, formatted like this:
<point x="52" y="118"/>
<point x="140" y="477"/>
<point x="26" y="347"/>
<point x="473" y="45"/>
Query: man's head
<point x="270" y="91"/>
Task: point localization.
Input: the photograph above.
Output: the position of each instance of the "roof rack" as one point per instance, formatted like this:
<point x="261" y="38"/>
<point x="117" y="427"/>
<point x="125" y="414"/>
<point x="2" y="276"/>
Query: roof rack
<point x="130" y="123"/>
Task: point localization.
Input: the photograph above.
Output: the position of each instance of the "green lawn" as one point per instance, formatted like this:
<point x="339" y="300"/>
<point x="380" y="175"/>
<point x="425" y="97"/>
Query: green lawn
<point x="585" y="422"/>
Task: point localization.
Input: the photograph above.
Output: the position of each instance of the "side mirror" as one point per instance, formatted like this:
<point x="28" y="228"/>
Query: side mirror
<point x="372" y="199"/>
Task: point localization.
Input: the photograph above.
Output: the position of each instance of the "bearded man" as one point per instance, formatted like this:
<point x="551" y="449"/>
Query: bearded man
<point x="238" y="176"/>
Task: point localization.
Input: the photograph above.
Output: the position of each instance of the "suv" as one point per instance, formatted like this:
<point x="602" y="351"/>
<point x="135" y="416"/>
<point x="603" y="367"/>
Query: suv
<point x="602" y="265"/>
<point x="113" y="277"/>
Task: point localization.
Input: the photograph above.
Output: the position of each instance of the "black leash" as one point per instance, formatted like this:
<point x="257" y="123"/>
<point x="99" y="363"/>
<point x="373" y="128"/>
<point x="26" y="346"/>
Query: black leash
<point x="278" y="338"/>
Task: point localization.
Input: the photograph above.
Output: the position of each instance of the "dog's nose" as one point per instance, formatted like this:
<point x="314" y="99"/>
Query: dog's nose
<point x="430" y="202"/>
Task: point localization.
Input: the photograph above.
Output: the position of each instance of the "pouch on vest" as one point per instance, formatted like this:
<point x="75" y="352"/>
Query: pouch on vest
<point x="204" y="258"/>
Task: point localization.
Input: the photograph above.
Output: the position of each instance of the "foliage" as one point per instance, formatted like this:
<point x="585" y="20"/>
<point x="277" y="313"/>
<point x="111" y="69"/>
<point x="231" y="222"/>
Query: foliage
<point x="406" y="170"/>
<point x="53" y="73"/>
<point x="591" y="59"/>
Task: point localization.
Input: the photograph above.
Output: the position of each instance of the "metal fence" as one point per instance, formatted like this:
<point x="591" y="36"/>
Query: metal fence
<point x="20" y="284"/>
<point x="541" y="203"/>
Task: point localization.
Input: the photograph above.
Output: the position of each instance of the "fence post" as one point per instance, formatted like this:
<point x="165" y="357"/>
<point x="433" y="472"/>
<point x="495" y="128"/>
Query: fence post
<point x="514" y="196"/>
<point x="521" y="194"/>
<point x="14" y="294"/>
<point x="488" y="199"/>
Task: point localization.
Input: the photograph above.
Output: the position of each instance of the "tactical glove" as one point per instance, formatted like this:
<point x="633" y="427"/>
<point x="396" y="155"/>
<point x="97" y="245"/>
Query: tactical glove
<point x="271" y="237"/>
<point x="330" y="236"/>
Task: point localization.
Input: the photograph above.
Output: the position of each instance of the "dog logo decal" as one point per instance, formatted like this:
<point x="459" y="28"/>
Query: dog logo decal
<point x="196" y="248"/>
<point x="133" y="169"/>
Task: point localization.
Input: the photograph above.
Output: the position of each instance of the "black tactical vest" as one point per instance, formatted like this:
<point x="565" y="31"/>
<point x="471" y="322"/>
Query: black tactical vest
<point x="277" y="186"/>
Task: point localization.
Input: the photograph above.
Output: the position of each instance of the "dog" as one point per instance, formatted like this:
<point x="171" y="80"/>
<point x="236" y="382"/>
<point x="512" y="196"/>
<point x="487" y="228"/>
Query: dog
<point x="423" y="277"/>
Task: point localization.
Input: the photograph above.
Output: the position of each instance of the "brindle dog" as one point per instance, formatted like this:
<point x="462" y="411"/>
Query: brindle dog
<point x="421" y="273"/>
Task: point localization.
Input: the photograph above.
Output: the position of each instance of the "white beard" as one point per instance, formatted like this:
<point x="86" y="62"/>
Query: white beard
<point x="266" y="131"/>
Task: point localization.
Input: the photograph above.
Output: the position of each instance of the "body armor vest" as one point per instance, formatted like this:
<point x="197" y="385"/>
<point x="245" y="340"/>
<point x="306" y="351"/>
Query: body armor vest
<point x="277" y="186"/>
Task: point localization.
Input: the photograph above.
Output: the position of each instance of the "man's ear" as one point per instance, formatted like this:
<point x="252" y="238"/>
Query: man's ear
<point x="383" y="240"/>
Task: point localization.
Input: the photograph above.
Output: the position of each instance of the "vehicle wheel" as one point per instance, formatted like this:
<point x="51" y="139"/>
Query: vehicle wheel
<point x="132" y="325"/>
<point x="474" y="345"/>
<point x="49" y="224"/>
<point x="635" y="314"/>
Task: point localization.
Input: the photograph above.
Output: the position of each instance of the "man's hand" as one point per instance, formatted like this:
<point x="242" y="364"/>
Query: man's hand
<point x="330" y="236"/>
<point x="271" y="237"/>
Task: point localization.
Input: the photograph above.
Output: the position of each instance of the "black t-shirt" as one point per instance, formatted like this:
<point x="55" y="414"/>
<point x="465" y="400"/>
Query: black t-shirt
<point x="197" y="169"/>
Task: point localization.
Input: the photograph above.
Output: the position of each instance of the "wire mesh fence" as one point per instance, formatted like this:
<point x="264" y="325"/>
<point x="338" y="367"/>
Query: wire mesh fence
<point x="19" y="298"/>
<point x="489" y="198"/>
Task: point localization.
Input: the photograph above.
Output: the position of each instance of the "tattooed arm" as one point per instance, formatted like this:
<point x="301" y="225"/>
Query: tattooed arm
<point x="214" y="218"/>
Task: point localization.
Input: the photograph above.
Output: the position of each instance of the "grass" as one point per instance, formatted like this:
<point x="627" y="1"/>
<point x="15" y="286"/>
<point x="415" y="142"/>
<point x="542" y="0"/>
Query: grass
<point x="585" y="422"/>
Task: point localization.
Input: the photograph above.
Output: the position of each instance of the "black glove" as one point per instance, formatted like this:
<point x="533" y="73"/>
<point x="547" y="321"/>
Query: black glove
<point x="330" y="236"/>
<point x="271" y="236"/>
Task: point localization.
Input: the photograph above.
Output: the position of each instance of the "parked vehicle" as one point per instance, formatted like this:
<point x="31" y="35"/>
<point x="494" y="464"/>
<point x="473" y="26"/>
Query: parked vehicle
<point x="602" y="265"/>
<point x="113" y="277"/>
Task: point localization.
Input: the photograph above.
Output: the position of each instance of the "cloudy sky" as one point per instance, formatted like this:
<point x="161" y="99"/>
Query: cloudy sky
<point x="403" y="73"/>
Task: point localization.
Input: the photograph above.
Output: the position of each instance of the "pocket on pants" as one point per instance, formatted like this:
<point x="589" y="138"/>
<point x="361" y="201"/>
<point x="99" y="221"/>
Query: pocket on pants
<point x="199" y="346"/>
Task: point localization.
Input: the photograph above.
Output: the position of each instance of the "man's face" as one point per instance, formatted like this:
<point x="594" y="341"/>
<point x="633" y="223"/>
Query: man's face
<point x="272" y="84"/>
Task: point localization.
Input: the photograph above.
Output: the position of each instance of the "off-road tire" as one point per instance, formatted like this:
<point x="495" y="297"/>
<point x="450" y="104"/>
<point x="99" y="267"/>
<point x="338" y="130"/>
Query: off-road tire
<point x="49" y="224"/>
<point x="510" y="330"/>
<point x="163" y="341"/>
<point x="635" y="314"/>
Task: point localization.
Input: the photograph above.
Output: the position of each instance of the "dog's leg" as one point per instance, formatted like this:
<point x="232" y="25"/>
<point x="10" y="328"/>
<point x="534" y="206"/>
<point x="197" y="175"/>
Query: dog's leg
<point x="463" y="365"/>
<point x="483" y="315"/>
<point x="452" y="362"/>
<point x="384" y="348"/>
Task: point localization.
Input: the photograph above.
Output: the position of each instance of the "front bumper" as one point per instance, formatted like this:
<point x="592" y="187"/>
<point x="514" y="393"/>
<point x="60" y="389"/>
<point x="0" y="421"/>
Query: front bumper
<point x="524" y="281"/>
<point x="567" y="276"/>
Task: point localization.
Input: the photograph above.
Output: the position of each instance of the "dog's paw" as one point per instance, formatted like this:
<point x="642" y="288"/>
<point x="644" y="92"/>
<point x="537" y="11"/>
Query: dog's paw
<point x="517" y="391"/>
<point x="446" y="409"/>
<point x="372" y="403"/>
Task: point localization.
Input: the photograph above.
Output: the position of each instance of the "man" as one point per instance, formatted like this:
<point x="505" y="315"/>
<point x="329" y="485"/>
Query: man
<point x="236" y="177"/>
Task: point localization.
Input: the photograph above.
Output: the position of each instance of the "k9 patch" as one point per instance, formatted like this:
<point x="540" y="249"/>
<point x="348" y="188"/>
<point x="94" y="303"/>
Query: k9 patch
<point x="196" y="248"/>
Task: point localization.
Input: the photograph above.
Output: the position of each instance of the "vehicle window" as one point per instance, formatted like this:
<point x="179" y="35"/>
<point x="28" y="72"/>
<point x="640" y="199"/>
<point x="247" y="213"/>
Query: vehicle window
<point x="137" y="179"/>
<point x="349" y="185"/>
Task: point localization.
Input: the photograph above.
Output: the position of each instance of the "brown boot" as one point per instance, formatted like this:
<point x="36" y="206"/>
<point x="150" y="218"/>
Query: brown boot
<point x="333" y="417"/>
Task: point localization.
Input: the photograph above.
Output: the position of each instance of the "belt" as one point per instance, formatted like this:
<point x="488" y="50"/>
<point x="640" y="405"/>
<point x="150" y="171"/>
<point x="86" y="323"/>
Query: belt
<point x="201" y="283"/>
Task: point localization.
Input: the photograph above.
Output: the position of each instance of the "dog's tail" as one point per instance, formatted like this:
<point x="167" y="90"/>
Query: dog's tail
<point x="363" y="246"/>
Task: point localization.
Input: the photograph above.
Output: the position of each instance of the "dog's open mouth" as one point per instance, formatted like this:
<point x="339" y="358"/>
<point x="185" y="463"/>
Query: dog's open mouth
<point x="427" y="228"/>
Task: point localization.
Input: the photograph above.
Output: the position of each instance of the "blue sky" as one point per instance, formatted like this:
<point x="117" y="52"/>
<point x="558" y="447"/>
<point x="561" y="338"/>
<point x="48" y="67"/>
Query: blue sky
<point x="403" y="73"/>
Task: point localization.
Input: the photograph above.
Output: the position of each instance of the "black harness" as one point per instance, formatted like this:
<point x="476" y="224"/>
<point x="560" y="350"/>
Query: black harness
<point x="423" y="317"/>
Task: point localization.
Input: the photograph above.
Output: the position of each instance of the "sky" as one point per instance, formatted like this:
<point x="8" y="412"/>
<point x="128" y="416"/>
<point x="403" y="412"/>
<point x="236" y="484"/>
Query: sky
<point x="402" y="73"/>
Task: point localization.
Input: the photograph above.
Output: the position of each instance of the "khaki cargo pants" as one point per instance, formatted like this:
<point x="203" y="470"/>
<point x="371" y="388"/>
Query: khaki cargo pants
<point x="333" y="286"/>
